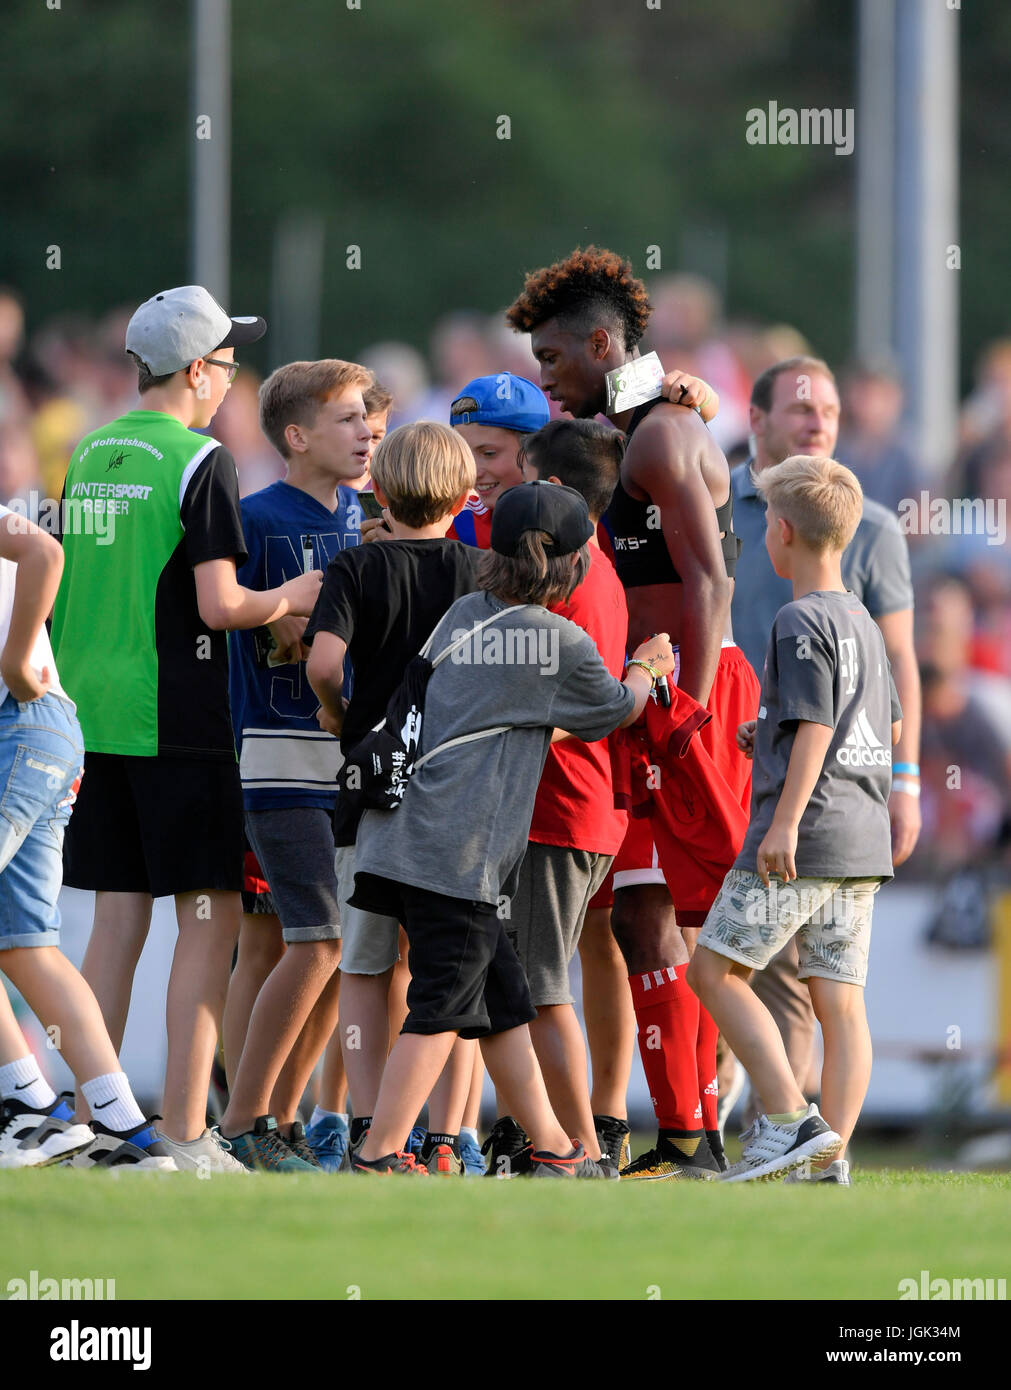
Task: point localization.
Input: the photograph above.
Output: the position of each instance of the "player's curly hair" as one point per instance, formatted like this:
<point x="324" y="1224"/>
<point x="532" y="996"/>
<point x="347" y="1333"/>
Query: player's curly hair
<point x="589" y="286"/>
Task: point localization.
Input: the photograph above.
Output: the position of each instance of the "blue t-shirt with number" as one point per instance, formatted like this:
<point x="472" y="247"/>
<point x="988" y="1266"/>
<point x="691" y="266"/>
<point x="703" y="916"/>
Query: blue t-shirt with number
<point x="285" y="758"/>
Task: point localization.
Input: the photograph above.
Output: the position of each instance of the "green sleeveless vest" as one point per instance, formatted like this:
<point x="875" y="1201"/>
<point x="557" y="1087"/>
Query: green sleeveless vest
<point x="120" y="524"/>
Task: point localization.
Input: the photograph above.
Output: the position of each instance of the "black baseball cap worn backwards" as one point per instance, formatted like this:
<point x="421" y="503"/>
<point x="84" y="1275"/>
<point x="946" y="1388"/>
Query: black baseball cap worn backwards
<point x="541" y="506"/>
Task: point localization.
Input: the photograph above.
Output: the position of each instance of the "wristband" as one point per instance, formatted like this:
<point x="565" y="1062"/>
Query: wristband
<point x="903" y="784"/>
<point x="653" y="675"/>
<point x="911" y="769"/>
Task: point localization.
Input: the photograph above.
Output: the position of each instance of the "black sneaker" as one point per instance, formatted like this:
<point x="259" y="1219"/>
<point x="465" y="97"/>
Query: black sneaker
<point x="300" y="1146"/>
<point x="570" y="1165"/>
<point x="508" y="1150"/>
<point x="403" y="1163"/>
<point x="136" y="1148"/>
<point x="613" y="1136"/>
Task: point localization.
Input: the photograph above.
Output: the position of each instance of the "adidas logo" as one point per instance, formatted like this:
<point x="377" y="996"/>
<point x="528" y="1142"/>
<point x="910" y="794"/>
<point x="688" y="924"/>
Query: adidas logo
<point x="712" y="1089"/>
<point x="861" y="748"/>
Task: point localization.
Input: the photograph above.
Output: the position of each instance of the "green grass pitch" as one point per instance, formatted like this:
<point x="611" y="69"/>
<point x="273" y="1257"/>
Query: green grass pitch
<point x="338" y="1237"/>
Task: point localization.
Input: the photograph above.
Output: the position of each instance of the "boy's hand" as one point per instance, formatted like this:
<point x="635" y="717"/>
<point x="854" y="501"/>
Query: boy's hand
<point x="776" y="853"/>
<point x="746" y="737"/>
<point x="657" y="652"/>
<point x="692" y="391"/>
<point x="374" y="528"/>
<point x="331" y="724"/>
<point x="302" y="592"/>
<point x="287" y="635"/>
<point x="22" y="681"/>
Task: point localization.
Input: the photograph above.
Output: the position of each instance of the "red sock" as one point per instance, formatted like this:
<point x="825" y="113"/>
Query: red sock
<point x="667" y="1013"/>
<point x="705" y="1063"/>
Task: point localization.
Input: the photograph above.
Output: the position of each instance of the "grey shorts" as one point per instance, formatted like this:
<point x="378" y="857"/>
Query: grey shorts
<point x="295" y="851"/>
<point x="370" y="942"/>
<point x="546" y="914"/>
<point x="831" y="918"/>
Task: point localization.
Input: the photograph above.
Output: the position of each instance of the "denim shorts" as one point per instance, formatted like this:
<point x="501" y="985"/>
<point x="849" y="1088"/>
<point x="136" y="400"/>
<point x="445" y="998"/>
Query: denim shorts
<point x="294" y="848"/>
<point x="41" y="755"/>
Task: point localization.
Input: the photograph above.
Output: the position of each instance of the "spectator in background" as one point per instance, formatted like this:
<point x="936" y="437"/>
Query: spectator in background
<point x="870" y="440"/>
<point x="19" y="466"/>
<point x="460" y="350"/>
<point x="966" y="757"/>
<point x="402" y="369"/>
<point x="686" y="329"/>
<point x="987" y="411"/>
<point x="13" y="400"/>
<point x="237" y="425"/>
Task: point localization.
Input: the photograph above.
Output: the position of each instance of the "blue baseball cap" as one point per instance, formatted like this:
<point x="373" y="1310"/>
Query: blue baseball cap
<point x="505" y="401"/>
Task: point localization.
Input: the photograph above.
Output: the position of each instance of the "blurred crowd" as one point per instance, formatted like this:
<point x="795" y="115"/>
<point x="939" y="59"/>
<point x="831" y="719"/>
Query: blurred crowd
<point x="64" y="377"/>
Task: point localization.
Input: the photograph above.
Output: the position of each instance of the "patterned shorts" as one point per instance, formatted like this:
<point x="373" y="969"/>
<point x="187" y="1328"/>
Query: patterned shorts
<point x="831" y="918"/>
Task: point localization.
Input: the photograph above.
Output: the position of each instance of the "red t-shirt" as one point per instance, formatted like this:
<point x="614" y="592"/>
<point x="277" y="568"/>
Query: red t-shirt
<point x="473" y="525"/>
<point x="575" y="803"/>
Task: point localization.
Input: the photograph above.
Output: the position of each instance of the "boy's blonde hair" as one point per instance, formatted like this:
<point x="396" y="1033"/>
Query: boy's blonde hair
<point x="423" y="468"/>
<point x="820" y="498"/>
<point x="294" y="393"/>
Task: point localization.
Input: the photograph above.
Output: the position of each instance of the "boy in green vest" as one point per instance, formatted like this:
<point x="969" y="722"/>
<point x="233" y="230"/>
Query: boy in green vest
<point x="139" y="634"/>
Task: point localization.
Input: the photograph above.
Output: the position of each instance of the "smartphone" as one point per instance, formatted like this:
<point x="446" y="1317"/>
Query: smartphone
<point x="370" y="505"/>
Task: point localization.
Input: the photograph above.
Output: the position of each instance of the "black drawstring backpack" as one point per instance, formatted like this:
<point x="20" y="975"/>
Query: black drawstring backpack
<point x="377" y="769"/>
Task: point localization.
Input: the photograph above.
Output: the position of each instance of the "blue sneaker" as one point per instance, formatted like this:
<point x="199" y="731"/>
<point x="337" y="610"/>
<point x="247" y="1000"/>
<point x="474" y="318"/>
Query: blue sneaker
<point x="329" y="1139"/>
<point x="473" y="1162"/>
<point x="415" y="1139"/>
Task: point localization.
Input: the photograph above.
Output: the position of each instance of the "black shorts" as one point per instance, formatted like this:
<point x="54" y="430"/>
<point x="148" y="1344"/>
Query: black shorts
<point x="465" y="975"/>
<point x="156" y="825"/>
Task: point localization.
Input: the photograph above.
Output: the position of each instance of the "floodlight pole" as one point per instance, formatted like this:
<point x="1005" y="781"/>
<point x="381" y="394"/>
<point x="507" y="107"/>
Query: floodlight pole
<point x="211" y="136"/>
<point x="927" y="255"/>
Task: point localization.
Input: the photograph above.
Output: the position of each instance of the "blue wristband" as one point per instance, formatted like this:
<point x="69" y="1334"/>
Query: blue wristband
<point x="910" y="769"/>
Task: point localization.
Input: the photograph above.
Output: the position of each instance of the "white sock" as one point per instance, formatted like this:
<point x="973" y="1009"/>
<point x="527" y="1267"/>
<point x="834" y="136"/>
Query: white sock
<point x="320" y="1114"/>
<point x="22" y="1080"/>
<point x="467" y="1133"/>
<point x="111" y="1101"/>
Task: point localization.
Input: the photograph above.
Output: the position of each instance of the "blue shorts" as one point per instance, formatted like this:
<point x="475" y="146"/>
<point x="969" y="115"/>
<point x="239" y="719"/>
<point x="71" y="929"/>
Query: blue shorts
<point x="41" y="755"/>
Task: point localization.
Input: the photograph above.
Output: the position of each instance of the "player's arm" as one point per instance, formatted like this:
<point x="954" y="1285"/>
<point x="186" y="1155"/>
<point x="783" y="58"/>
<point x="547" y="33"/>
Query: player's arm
<point x="903" y="808"/>
<point x="663" y="460"/>
<point x="223" y="603"/>
<point x="777" y="852"/>
<point x="40" y="565"/>
<point x="325" y="673"/>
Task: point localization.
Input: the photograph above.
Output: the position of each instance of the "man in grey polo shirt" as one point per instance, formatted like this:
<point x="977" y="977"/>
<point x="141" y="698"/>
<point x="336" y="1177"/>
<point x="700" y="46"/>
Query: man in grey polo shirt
<point x="795" y="410"/>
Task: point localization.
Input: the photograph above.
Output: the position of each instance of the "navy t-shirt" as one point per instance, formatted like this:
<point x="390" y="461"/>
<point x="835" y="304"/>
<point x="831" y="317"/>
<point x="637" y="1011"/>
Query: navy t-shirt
<point x="285" y="758"/>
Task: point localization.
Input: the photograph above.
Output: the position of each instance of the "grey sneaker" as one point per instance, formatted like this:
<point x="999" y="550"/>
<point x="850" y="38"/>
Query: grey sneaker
<point x="837" y="1172"/>
<point x="210" y="1153"/>
<point x="772" y="1150"/>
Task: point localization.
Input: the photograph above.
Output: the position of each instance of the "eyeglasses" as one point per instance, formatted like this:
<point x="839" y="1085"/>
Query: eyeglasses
<point x="230" y="367"/>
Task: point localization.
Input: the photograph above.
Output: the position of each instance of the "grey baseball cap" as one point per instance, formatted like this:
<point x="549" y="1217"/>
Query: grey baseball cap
<point x="174" y="328"/>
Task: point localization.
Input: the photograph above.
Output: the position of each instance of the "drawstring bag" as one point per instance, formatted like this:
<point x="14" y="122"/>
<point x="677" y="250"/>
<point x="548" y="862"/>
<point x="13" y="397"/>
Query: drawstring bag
<point x="377" y="769"/>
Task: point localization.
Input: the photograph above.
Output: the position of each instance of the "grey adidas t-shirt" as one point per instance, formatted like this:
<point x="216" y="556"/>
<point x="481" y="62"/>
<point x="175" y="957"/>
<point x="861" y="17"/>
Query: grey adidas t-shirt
<point x="462" y="826"/>
<point x="875" y="565"/>
<point x="826" y="664"/>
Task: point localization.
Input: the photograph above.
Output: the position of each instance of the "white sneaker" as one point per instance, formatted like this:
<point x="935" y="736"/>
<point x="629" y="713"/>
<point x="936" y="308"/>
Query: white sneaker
<point x="210" y="1153"/>
<point x="35" y="1138"/>
<point x="837" y="1172"/>
<point x="770" y="1150"/>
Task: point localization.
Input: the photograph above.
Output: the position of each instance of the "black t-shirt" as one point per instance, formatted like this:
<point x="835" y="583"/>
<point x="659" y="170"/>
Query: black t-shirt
<point x="193" y="708"/>
<point x="384" y="600"/>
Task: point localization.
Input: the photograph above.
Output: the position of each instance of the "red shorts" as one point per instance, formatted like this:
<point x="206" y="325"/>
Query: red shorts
<point x="690" y="829"/>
